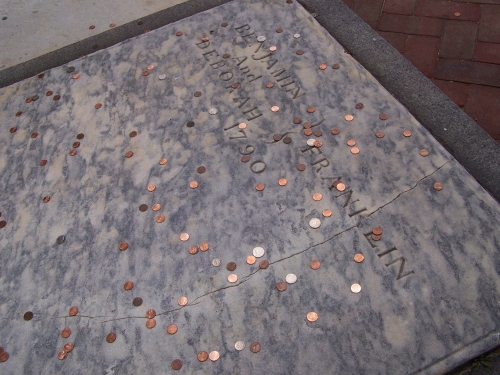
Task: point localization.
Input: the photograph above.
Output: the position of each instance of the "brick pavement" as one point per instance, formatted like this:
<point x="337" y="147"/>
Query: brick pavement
<point x="454" y="43"/>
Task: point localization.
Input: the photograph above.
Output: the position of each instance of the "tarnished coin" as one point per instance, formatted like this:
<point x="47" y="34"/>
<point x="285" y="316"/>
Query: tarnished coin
<point x="62" y="355"/>
<point x="150" y="314"/>
<point x="315" y="223"/>
<point x="264" y="264"/>
<point x="4" y="356"/>
<point x="239" y="345"/>
<point x="184" y="237"/>
<point x="213" y="111"/>
<point x="137" y="301"/>
<point x="176" y="364"/>
<point x="231" y="266"/>
<point x="66" y="332"/>
<point x="355" y="288"/>
<point x="261" y="38"/>
<point x="182" y="301"/>
<point x="123" y="246"/>
<point x="291" y="278"/>
<point x="315" y="264"/>
<point x="281" y="286"/>
<point x="258" y="252"/>
<point x="301" y="167"/>
<point x="282" y="181"/>
<point x="204" y="246"/>
<point x="251" y="259"/>
<point x="438" y="186"/>
<point x="327" y="213"/>
<point x="162" y="77"/>
<point x="193" y="250"/>
<point x="216" y="262"/>
<point x="424" y="152"/>
<point x="358" y="258"/>
<point x="28" y="315"/>
<point x="73" y="310"/>
<point x="312" y="316"/>
<point x="255" y="347"/>
<point x="335" y="131"/>
<point x="214" y="355"/>
<point x="202" y="356"/>
<point x="172" y="329"/>
<point x="46" y="199"/>
<point x="232" y="278"/>
<point x="150" y="323"/>
<point x="111" y="337"/>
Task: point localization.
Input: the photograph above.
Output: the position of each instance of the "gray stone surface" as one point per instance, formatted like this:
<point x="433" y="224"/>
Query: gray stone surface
<point x="429" y="287"/>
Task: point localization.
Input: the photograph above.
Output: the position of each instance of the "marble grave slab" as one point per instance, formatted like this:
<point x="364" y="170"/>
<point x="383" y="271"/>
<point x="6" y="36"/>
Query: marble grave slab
<point x="243" y="176"/>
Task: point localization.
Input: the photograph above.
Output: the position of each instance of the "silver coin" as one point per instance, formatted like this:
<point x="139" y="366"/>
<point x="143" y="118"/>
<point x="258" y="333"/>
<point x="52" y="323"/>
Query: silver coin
<point x="296" y="36"/>
<point x="216" y="262"/>
<point x="261" y="38"/>
<point x="291" y="278"/>
<point x="310" y="142"/>
<point x="315" y="223"/>
<point x="213" y="111"/>
<point x="355" y="288"/>
<point x="239" y="345"/>
<point x="162" y="76"/>
<point x="258" y="252"/>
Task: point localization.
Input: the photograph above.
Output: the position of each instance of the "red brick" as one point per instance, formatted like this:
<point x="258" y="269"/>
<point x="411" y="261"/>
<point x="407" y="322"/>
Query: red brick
<point x="369" y="10"/>
<point x="468" y="71"/>
<point x="446" y="9"/>
<point x="348" y="2"/>
<point x="399" y="6"/>
<point x="487" y="52"/>
<point x="398" y="41"/>
<point x="458" y="40"/>
<point x="422" y="51"/>
<point x="411" y="25"/>
<point x="483" y="105"/>
<point x="489" y="26"/>
<point x="456" y="91"/>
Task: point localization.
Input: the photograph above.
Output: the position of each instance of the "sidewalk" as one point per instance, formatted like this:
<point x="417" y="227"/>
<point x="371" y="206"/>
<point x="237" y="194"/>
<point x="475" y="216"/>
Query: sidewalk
<point x="454" y="43"/>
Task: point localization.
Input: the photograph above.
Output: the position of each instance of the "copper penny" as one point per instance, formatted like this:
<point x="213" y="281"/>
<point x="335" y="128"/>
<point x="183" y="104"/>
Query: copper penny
<point x="424" y="152"/>
<point x="315" y="264"/>
<point x="80" y="136"/>
<point x="150" y="323"/>
<point x="349" y="117"/>
<point x="456" y="14"/>
<point x="162" y="161"/>
<point x="360" y="106"/>
<point x="132" y="134"/>
<point x="317" y="143"/>
<point x="43" y="163"/>
<point x="150" y="67"/>
<point x="72" y="153"/>
<point x="65" y="333"/>
<point x="123" y="246"/>
<point x="28" y="315"/>
<point x="242" y="125"/>
<point x="184" y="236"/>
<point x="3" y="223"/>
<point x="376" y="237"/>
<point x="151" y="187"/>
<point x="312" y="316"/>
<point x="202" y="356"/>
<point x="226" y="55"/>
<point x="311" y="109"/>
<point x="48" y="93"/>
<point x="269" y="85"/>
<point x="407" y="133"/>
<point x="383" y="116"/>
<point x="336" y="66"/>
<point x="307" y="125"/>
<point x="68" y="347"/>
<point x="137" y="301"/>
<point x="34" y="135"/>
<point x="176" y="364"/>
<point x="297" y="120"/>
<point x="179" y="33"/>
<point x="245" y="159"/>
<point x="18" y="113"/>
<point x="150" y="314"/>
<point x="232" y="278"/>
<point x="4" y="356"/>
<point x="172" y="329"/>
<point x="317" y="196"/>
<point x="255" y="347"/>
<point x="308" y="132"/>
<point x="281" y="286"/>
<point x="143" y="207"/>
<point x="277" y="137"/>
<point x="275" y="108"/>
<point x="279" y="30"/>
<point x="299" y="52"/>
<point x="438" y="186"/>
<point x="112" y="25"/>
<point x="62" y="355"/>
<point x="13" y="129"/>
<point x="224" y="24"/>
<point x="273" y="48"/>
<point x="145" y="73"/>
<point x="335" y="131"/>
<point x="197" y="94"/>
<point x="327" y="213"/>
<point x="355" y="150"/>
<point x="193" y="184"/>
<point x="263" y="264"/>
<point x="282" y="182"/>
<point x="358" y="258"/>
<point x="111" y="337"/>
<point x="160" y="218"/>
<point x="28" y="100"/>
<point x="129" y="154"/>
<point x="98" y="105"/>
<point x="301" y="167"/>
<point x="201" y="169"/>
<point x="231" y="266"/>
<point x="46" y="199"/>
<point x="318" y="133"/>
<point x="76" y="144"/>
<point x="377" y="231"/>
<point x="182" y="301"/>
<point x="156" y="207"/>
<point x="340" y="186"/>
<point x="251" y="259"/>
<point x="41" y="75"/>
<point x="322" y="66"/>
<point x="73" y="310"/>
<point x="76" y="76"/>
<point x="205" y="39"/>
<point x="193" y="250"/>
<point x="287" y="140"/>
<point x="204" y="246"/>
<point x="129" y="285"/>
<point x="259" y="187"/>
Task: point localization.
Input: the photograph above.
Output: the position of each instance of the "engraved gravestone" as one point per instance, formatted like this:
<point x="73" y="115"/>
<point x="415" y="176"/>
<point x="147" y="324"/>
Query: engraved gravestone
<point x="234" y="194"/>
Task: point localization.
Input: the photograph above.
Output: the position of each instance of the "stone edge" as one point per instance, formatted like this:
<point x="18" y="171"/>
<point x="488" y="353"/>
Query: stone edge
<point x="468" y="143"/>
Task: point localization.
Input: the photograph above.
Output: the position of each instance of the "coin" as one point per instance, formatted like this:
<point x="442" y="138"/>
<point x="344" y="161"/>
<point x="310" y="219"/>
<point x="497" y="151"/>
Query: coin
<point x="204" y="246"/>
<point x="76" y="76"/>
<point x="377" y="231"/>
<point x="151" y="187"/>
<point x="383" y="116"/>
<point x="296" y="36"/>
<point x="76" y="144"/>
<point x="145" y="73"/>
<point x="193" y="250"/>
<point x="201" y="169"/>
<point x="193" y="184"/>
<point x="301" y="167"/>
<point x="72" y="153"/>
<point x="281" y="286"/>
<point x="310" y="141"/>
<point x="259" y="187"/>
<point x="355" y="288"/>
<point x="129" y="154"/>
<point x="160" y="218"/>
<point x="123" y="246"/>
<point x="358" y="258"/>
<point x="424" y="152"/>
<point x="80" y="136"/>
<point x="407" y="133"/>
<point x="261" y="38"/>
<point x="73" y="310"/>
<point x="315" y="264"/>
<point x="255" y="347"/>
<point x="197" y="94"/>
<point x="438" y="186"/>
<point x="277" y="137"/>
<point x="28" y="315"/>
<point x="299" y="52"/>
<point x="132" y="134"/>
<point x="137" y="301"/>
<point x="4" y="356"/>
<point x="182" y="301"/>
<point x="46" y="199"/>
<point x="310" y="109"/>
<point x="112" y="24"/>
<point x="68" y="347"/>
<point x="355" y="150"/>
<point x="317" y="196"/>
<point x="379" y="134"/>
<point x="172" y="329"/>
<point x="216" y="262"/>
<point x="315" y="223"/>
<point x="456" y="14"/>
<point x="156" y="207"/>
<point x="349" y="117"/>
<point x="279" y="30"/>
<point x="327" y="213"/>
<point x="231" y="266"/>
<point x="150" y="314"/>
<point x="43" y="163"/>
<point x="62" y="355"/>
<point x="291" y="278"/>
<point x="111" y="337"/>
<point x="213" y="111"/>
<point x="245" y="158"/>
<point x="150" y="323"/>
<point x="340" y="186"/>
<point x="263" y="264"/>
<point x="251" y="259"/>
<point x="179" y="33"/>
<point x="3" y="223"/>
<point x="214" y="355"/>
<point x="65" y="333"/>
<point x="322" y="66"/>
<point x="273" y="48"/>
<point x="98" y="105"/>
<point x="129" y="285"/>
<point x="351" y="142"/>
<point x="275" y="108"/>
<point x="176" y="364"/>
<point x="162" y="161"/>
<point x="282" y="181"/>
<point x="239" y="345"/>
<point x="269" y="85"/>
<point x="184" y="236"/>
<point x="34" y="135"/>
<point x="232" y="278"/>
<point x="143" y="207"/>
<point x="162" y="77"/>
<point x="202" y="356"/>
<point x="312" y="316"/>
<point x="335" y="131"/>
<point x="258" y="252"/>
<point x="13" y="129"/>
<point x="318" y="133"/>
<point x="376" y="237"/>
<point x="317" y="143"/>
